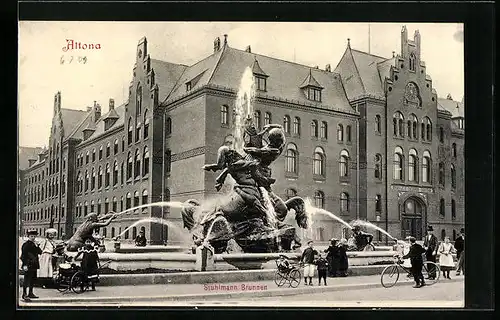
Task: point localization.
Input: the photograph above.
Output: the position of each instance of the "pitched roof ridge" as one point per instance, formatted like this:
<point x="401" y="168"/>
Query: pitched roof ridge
<point x="370" y="54"/>
<point x="75" y="129"/>
<point x="357" y="72"/>
<point x="174" y="86"/>
<point x="217" y="63"/>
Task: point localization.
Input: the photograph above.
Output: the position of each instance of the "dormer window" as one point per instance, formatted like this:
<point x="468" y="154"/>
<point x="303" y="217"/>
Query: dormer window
<point x="188" y="86"/>
<point x="314" y="94"/>
<point x="260" y="76"/>
<point x="260" y="83"/>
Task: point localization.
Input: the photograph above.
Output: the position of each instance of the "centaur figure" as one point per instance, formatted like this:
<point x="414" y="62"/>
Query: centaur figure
<point x="86" y="229"/>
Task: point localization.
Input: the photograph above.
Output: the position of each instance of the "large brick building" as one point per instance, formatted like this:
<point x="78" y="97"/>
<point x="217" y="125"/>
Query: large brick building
<point x="370" y="130"/>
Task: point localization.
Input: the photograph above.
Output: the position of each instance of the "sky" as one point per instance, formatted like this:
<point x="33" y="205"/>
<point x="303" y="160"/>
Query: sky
<point x="108" y="71"/>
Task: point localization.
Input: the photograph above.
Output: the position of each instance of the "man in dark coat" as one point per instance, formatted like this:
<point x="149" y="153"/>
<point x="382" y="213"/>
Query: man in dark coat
<point x="460" y="246"/>
<point x="140" y="240"/>
<point x="431" y="246"/>
<point x="416" y="260"/>
<point x="30" y="264"/>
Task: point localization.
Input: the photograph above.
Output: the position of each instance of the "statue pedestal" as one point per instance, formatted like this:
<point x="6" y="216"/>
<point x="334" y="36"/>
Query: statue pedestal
<point x="205" y="258"/>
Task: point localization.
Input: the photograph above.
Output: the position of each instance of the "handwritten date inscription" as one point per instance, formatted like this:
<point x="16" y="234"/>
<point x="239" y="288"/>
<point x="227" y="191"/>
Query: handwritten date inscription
<point x="73" y="59"/>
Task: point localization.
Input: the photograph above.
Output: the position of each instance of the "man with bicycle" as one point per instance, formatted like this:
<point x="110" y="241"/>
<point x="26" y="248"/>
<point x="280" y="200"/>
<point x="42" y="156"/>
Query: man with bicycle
<point x="415" y="256"/>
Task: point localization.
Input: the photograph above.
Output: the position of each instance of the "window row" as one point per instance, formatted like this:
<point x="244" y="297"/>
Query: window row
<point x="319" y="199"/>
<point x="319" y="161"/>
<point x="138" y="128"/>
<point x="44" y="214"/>
<point x="411" y="128"/>
<point x="40" y="193"/>
<point x="116" y="205"/>
<point x="442" y="208"/>
<point x="92" y="157"/>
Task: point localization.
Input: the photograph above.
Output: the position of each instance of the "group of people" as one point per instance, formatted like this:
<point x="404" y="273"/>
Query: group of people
<point x="414" y="253"/>
<point x="332" y="261"/>
<point x="41" y="260"/>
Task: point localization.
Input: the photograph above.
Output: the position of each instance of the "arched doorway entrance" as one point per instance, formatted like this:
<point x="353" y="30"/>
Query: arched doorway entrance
<point x="411" y="218"/>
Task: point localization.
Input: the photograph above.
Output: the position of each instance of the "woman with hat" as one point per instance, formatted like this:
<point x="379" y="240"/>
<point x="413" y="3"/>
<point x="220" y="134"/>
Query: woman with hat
<point x="343" y="259"/>
<point x="30" y="264"/>
<point x="332" y="257"/>
<point x="48" y="247"/>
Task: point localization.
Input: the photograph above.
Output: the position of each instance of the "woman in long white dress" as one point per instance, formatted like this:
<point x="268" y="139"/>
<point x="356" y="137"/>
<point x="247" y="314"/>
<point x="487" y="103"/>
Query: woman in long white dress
<point x="445" y="257"/>
<point x="46" y="271"/>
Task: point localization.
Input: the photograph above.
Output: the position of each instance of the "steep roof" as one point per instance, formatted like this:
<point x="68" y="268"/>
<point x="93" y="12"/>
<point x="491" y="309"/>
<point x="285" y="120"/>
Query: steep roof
<point x="27" y="153"/>
<point x="310" y="81"/>
<point x="457" y="109"/>
<point x="71" y="118"/>
<point x="99" y="125"/>
<point x="285" y="78"/>
<point x="166" y="75"/>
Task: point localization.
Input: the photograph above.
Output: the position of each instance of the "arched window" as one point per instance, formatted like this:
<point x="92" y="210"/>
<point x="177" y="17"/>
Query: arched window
<point x="398" y="124"/>
<point x="340" y="132"/>
<point x="296" y="126"/>
<point x="146" y="124"/>
<point x="224" y="118"/>
<point x="137" y="164"/>
<point x="130" y="131"/>
<point x="324" y="130"/>
<point x="291" y="158"/>
<point x="115" y="147"/>
<point x="134" y="232"/>
<point x="100" y="153"/>
<point x="453" y="209"/>
<point x="344" y="202"/>
<point x="121" y="203"/>
<point x="138" y="104"/>
<point x="428" y="129"/>
<point x="344" y="163"/>
<point x="86" y="181"/>
<point x="378" y="166"/>
<point x="168" y="123"/>
<point x="267" y="118"/>
<point x="286" y="124"/>
<point x="107" y="175"/>
<point x="412" y="62"/>
<point x="144" y="196"/>
<point x="454" y="150"/>
<point x="441" y="208"/>
<point x="398" y="164"/>
<point x="168" y="160"/>
<point x="378" y="124"/>
<point x="115" y="204"/>
<point x="87" y="157"/>
<point x="441" y="134"/>
<point x="314" y="128"/>
<point x="290" y="193"/>
<point x="412" y="127"/>
<point x="441" y="174"/>
<point x="128" y="202"/>
<point x="348" y="133"/>
<point x="136" y="199"/>
<point x="453" y="177"/>
<point x="98" y="206"/>
<point x="257" y="119"/>
<point x="145" y="164"/>
<point x="122" y="173"/>
<point x="106" y="205"/>
<point x="426" y="167"/>
<point x="413" y="166"/>
<point x="93" y="155"/>
<point x="85" y="208"/>
<point x="138" y="131"/>
<point x="319" y="162"/>
<point x="115" y="173"/>
<point x="130" y="162"/>
<point x="378" y="203"/>
<point x="92" y="184"/>
<point x="319" y="199"/>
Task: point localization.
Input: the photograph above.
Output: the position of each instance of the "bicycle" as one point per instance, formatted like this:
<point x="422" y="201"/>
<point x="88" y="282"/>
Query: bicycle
<point x="390" y="274"/>
<point x="287" y="272"/>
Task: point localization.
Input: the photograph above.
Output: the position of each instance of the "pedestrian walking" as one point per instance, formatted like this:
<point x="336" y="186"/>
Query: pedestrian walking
<point x="445" y="257"/>
<point x="30" y="264"/>
<point x="90" y="261"/>
<point x="332" y="257"/>
<point x="322" y="266"/>
<point x="459" y="247"/>
<point x="415" y="256"/>
<point x="343" y="264"/>
<point x="46" y="272"/>
<point x="308" y="259"/>
<point x="431" y="247"/>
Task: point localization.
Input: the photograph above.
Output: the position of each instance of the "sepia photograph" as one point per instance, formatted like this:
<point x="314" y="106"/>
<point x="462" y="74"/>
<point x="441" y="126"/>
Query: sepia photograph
<point x="242" y="164"/>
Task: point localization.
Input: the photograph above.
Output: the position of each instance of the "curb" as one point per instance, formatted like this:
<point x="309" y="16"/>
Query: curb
<point x="226" y="295"/>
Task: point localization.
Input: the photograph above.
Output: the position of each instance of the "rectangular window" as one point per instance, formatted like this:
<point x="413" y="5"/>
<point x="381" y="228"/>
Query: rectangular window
<point x="314" y="94"/>
<point x="188" y="86"/>
<point x="261" y="83"/>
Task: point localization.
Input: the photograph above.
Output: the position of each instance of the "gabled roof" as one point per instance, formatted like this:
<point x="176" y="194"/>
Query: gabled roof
<point x="27" y="153"/>
<point x="457" y="109"/>
<point x="256" y="69"/>
<point x="367" y="65"/>
<point x="71" y="118"/>
<point x="384" y="69"/>
<point x="166" y="76"/>
<point x="310" y="82"/>
<point x="99" y="125"/>
<point x="285" y="78"/>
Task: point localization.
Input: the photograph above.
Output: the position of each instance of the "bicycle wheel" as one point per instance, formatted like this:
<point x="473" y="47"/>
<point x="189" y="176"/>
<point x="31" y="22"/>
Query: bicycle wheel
<point x="62" y="284"/>
<point x="294" y="278"/>
<point x="389" y="276"/>
<point x="431" y="272"/>
<point x="279" y="278"/>
<point x="77" y="283"/>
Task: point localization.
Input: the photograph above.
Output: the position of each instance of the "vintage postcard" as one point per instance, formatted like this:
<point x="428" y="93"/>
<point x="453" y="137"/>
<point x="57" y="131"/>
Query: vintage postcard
<point x="241" y="164"/>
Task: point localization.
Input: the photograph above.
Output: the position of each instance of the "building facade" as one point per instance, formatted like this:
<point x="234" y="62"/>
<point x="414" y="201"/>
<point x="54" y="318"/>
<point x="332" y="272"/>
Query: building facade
<point x="369" y="140"/>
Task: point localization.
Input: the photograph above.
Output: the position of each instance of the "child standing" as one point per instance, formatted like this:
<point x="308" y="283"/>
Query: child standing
<point x="90" y="261"/>
<point x="322" y="266"/>
<point x="29" y="257"/>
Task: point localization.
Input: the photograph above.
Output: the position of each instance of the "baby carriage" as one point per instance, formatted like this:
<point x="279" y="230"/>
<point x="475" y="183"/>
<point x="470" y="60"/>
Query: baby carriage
<point x="287" y="272"/>
<point x="71" y="277"/>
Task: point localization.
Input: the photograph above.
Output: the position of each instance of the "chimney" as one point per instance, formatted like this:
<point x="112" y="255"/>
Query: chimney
<point x="31" y="162"/>
<point x="393" y="54"/>
<point x="111" y="104"/>
<point x="248" y="49"/>
<point x="449" y="96"/>
<point x="225" y="39"/>
<point x="216" y="44"/>
<point x="316" y="67"/>
<point x="97" y="111"/>
<point x="328" y="68"/>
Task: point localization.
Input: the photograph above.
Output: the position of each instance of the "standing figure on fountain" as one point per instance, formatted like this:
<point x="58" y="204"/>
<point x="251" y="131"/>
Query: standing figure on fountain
<point x="363" y="240"/>
<point x="86" y="230"/>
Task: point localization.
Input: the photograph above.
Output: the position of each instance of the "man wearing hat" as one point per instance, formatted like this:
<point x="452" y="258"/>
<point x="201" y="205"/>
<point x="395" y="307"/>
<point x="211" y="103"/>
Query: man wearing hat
<point x="431" y="246"/>
<point x="140" y="240"/>
<point x="415" y="256"/>
<point x="30" y="264"/>
<point x="460" y="246"/>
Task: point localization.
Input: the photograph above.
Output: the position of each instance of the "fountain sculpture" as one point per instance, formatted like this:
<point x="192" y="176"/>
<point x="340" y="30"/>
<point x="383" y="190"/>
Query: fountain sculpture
<point x="251" y="214"/>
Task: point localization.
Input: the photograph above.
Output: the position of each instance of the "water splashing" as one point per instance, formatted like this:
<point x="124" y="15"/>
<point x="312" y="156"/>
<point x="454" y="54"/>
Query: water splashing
<point x="312" y="210"/>
<point x="219" y="218"/>
<point x="372" y="226"/>
<point x="172" y="226"/>
<point x="243" y="106"/>
<point x="172" y="204"/>
<point x="270" y="213"/>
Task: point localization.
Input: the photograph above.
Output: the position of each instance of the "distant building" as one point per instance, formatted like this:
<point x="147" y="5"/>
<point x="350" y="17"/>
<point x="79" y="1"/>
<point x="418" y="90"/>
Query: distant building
<point x="342" y="128"/>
